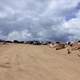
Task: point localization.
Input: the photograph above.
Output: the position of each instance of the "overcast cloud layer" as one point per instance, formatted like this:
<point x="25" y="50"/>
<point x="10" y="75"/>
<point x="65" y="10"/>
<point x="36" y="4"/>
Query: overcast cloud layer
<point x="57" y="20"/>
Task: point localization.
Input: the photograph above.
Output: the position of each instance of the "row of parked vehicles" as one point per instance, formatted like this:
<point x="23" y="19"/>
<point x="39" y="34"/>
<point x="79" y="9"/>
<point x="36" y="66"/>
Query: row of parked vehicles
<point x="33" y="42"/>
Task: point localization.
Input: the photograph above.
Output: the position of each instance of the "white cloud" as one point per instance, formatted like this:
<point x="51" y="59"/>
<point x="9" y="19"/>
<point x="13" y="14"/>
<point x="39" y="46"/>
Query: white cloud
<point x="43" y="19"/>
<point x="73" y="27"/>
<point x="19" y="35"/>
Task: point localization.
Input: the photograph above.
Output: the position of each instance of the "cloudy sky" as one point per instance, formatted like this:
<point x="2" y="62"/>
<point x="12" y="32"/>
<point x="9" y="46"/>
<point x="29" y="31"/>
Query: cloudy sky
<point x="57" y="20"/>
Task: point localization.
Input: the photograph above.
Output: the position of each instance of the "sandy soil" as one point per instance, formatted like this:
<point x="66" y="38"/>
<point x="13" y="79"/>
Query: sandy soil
<point x="28" y="62"/>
